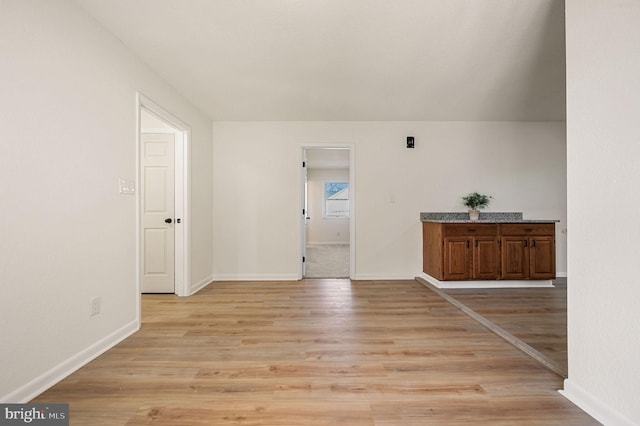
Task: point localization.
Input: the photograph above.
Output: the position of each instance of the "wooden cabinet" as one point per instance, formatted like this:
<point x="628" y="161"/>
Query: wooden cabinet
<point x="454" y="251"/>
<point x="515" y="258"/>
<point x="486" y="258"/>
<point x="461" y="251"/>
<point x="457" y="258"/>
<point x="474" y="258"/>
<point x="528" y="251"/>
<point x="542" y="259"/>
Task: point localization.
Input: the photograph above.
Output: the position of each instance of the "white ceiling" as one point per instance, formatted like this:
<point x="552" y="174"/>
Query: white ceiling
<point x="295" y="60"/>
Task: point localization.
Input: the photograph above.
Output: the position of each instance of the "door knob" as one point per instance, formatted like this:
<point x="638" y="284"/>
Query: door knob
<point x="167" y="220"/>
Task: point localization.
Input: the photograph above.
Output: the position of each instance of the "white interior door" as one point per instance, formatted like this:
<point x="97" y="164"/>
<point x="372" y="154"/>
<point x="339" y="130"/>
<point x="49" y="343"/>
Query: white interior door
<point x="305" y="211"/>
<point x="158" y="201"/>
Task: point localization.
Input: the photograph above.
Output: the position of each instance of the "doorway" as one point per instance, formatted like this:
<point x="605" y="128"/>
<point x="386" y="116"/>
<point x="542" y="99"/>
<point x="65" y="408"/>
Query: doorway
<point x="328" y="250"/>
<point x="162" y="232"/>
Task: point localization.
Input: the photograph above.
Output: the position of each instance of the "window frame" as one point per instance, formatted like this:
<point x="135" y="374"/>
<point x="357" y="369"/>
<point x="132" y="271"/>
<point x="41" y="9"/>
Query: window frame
<point x="326" y="198"/>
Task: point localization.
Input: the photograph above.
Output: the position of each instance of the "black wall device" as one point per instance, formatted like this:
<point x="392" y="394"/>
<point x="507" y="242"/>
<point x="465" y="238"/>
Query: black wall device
<point x="410" y="142"/>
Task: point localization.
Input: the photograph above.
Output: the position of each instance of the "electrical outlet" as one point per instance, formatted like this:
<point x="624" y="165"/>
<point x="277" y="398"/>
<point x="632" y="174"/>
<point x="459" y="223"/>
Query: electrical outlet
<point x="94" y="305"/>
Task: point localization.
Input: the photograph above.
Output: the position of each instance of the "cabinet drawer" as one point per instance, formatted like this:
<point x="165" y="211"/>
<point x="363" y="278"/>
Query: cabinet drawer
<point x="528" y="229"/>
<point x="470" y="230"/>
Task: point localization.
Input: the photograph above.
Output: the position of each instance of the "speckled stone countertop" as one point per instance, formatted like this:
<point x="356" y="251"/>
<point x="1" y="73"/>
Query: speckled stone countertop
<point x="485" y="217"/>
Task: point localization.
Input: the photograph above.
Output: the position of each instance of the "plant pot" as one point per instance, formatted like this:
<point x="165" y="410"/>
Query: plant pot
<point x="474" y="214"/>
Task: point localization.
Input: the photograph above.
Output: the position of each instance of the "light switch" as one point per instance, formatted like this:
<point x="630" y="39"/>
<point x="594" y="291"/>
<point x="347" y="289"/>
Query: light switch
<point x="127" y="186"/>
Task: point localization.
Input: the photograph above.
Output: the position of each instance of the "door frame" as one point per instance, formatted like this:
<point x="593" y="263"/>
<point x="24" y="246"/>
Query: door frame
<point x="182" y="253"/>
<point x="352" y="204"/>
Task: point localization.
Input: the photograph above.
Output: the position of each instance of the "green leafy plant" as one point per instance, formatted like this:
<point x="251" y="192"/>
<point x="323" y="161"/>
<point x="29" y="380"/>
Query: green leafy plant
<point x="475" y="201"/>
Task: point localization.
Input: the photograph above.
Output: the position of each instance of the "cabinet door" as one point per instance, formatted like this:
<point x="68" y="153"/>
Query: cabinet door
<point x="515" y="258"/>
<point x="457" y="258"/>
<point x="486" y="258"/>
<point x="543" y="258"/>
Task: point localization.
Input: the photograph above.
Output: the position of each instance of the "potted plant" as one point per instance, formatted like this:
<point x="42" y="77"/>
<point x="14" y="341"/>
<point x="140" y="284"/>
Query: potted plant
<point x="475" y="202"/>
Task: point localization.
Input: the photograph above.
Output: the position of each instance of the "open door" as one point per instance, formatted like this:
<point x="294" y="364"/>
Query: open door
<point x="327" y="235"/>
<point x="163" y="205"/>
<point x="157" y="183"/>
<point x="305" y="214"/>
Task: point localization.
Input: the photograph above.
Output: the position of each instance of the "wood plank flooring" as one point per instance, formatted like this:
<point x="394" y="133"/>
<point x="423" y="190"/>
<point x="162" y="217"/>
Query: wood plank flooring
<point x="536" y="316"/>
<point x="313" y="352"/>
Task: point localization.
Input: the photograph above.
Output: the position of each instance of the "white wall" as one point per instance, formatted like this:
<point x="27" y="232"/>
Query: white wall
<point x="257" y="187"/>
<point x="603" y="143"/>
<point x="68" y="114"/>
<point x="321" y="230"/>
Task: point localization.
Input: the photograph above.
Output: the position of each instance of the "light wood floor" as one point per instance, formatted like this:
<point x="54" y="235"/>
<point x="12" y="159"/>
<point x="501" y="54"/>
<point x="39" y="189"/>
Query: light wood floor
<point x="537" y="316"/>
<point x="313" y="352"/>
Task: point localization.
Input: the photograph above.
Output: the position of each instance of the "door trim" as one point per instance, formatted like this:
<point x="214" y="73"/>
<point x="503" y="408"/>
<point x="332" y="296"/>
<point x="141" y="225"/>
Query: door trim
<point x="352" y="204"/>
<point x="182" y="253"/>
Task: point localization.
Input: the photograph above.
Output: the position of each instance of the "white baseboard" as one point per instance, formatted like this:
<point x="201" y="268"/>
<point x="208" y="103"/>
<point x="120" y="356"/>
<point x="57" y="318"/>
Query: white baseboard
<point x="389" y="277"/>
<point x="561" y="274"/>
<point x="593" y="406"/>
<point x="292" y="277"/>
<point x="255" y="277"/>
<point x="46" y="380"/>
<point x="335" y="243"/>
<point x="486" y="283"/>
<point x="200" y="285"/>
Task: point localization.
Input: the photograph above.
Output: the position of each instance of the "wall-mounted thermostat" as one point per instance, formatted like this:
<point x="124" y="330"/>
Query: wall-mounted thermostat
<point x="410" y="142"/>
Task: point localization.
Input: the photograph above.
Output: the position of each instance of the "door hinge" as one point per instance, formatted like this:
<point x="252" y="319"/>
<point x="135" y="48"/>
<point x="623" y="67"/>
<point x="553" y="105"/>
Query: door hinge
<point x="304" y="164"/>
<point x="303" y="212"/>
<point x="304" y="259"/>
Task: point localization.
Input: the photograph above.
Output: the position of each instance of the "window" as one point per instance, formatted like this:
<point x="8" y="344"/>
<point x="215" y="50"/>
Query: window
<point x="336" y="200"/>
